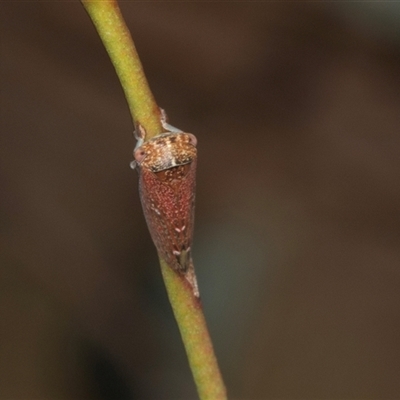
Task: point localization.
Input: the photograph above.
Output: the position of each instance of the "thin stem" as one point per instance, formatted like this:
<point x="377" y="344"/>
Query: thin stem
<point x="187" y="309"/>
<point x="196" y="339"/>
<point x="117" y="40"/>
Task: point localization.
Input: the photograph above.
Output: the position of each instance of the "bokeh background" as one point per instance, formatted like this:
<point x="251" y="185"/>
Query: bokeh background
<point x="296" y="107"/>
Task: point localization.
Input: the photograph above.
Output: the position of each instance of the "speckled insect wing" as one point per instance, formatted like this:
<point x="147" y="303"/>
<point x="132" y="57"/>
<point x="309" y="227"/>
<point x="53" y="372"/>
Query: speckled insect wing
<point x="167" y="172"/>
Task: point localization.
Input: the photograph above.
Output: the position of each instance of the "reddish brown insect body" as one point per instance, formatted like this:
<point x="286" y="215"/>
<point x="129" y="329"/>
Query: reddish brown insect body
<point x="167" y="172"/>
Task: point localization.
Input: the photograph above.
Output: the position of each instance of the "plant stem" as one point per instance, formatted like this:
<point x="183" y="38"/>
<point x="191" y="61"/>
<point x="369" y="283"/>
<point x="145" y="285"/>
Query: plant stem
<point x="117" y="40"/>
<point x="196" y="339"/>
<point x="187" y="309"/>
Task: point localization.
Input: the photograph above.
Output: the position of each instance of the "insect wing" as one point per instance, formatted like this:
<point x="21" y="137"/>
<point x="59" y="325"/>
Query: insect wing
<point x="168" y="199"/>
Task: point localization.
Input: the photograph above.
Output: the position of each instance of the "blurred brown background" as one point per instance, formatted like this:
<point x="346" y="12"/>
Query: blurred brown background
<point x="296" y="107"/>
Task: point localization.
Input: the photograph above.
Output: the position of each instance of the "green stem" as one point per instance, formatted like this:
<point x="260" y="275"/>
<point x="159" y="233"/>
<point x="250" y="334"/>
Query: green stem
<point x="118" y="42"/>
<point x="187" y="309"/>
<point x="196" y="339"/>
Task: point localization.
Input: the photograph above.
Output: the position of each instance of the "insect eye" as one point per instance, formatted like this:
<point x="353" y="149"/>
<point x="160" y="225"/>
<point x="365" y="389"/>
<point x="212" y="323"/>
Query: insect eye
<point x="139" y="155"/>
<point x="192" y="140"/>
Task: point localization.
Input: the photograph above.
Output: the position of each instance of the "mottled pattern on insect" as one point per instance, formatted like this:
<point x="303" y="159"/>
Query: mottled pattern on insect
<point x="167" y="172"/>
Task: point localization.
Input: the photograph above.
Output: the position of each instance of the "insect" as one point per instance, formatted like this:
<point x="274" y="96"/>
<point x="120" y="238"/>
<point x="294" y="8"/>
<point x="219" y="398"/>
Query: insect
<point x="167" y="172"/>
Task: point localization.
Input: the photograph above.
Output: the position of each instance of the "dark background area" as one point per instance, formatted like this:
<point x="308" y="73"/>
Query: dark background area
<point x="296" y="107"/>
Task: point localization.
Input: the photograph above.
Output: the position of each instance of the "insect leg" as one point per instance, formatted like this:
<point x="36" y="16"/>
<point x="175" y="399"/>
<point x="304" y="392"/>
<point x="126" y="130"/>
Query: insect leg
<point x="166" y="125"/>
